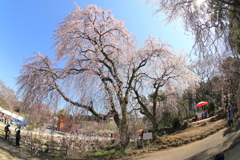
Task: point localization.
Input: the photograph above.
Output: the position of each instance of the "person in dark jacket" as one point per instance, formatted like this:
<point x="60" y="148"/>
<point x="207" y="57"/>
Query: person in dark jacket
<point x="7" y="131"/>
<point x="219" y="156"/>
<point x="18" y="137"/>
<point x="230" y="115"/>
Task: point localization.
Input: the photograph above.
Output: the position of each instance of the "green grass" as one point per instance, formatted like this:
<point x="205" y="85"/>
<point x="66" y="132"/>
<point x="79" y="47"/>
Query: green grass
<point x="102" y="153"/>
<point x="111" y="154"/>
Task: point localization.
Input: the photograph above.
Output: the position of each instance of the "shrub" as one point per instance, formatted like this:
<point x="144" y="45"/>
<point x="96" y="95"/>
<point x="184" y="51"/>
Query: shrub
<point x="211" y="108"/>
<point x="185" y="124"/>
<point x="176" y="123"/>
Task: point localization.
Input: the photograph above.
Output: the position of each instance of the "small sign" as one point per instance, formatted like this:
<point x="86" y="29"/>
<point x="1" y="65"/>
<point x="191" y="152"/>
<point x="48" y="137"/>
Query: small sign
<point x="147" y="135"/>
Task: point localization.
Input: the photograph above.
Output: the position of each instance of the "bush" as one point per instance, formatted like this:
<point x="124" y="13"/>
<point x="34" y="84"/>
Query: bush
<point x="176" y="123"/>
<point x="211" y="109"/>
<point x="185" y="124"/>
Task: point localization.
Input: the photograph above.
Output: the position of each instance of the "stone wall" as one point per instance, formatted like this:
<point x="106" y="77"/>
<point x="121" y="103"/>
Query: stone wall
<point x="59" y="145"/>
<point x="64" y="145"/>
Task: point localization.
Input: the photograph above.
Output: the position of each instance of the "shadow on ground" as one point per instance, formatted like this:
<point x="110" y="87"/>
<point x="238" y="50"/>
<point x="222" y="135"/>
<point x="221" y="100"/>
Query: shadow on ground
<point x="229" y="153"/>
<point x="232" y="129"/>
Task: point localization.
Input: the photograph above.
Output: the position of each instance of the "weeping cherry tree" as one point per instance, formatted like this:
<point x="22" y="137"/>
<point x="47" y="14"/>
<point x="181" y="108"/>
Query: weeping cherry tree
<point x="96" y="67"/>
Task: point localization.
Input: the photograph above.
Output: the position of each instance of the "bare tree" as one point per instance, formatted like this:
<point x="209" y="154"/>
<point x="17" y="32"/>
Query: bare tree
<point x="8" y="98"/>
<point x="230" y="79"/>
<point x="206" y="69"/>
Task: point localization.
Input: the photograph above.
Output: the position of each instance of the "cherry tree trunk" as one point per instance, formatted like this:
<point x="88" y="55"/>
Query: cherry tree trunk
<point x="124" y="134"/>
<point x="122" y="124"/>
<point x="154" y="130"/>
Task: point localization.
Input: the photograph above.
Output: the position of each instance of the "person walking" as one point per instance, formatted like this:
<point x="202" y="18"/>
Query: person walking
<point x="7" y="131"/>
<point x="18" y="137"/>
<point x="230" y="115"/>
<point x="19" y="125"/>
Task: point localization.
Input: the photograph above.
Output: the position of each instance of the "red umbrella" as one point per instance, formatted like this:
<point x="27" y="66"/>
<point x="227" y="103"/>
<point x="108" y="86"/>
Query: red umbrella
<point x="140" y="130"/>
<point x="200" y="104"/>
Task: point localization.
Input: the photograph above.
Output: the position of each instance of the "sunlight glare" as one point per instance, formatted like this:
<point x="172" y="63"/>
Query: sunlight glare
<point x="199" y="2"/>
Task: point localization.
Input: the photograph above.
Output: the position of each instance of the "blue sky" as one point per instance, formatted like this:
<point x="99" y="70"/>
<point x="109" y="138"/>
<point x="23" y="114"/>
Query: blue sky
<point x="27" y="26"/>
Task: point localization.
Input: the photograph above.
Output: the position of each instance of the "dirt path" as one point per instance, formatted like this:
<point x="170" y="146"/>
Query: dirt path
<point x="226" y="140"/>
<point x="10" y="152"/>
